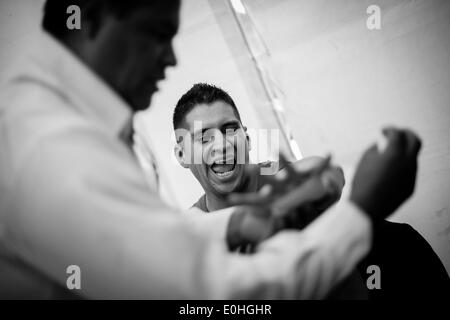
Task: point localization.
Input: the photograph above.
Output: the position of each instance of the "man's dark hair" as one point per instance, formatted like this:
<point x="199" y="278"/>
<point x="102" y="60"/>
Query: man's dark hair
<point x="200" y="93"/>
<point x="55" y="12"/>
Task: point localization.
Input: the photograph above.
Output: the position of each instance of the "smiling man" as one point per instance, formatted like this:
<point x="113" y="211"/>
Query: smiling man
<point x="213" y="143"/>
<point x="209" y="116"/>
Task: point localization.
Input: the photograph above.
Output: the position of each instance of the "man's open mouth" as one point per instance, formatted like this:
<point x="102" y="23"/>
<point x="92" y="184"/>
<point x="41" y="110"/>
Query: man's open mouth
<point x="223" y="169"/>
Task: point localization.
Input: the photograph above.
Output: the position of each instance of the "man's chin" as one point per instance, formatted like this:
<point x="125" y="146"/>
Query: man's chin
<point x="140" y="100"/>
<point x="141" y="104"/>
<point x="224" y="192"/>
<point x="225" y="189"/>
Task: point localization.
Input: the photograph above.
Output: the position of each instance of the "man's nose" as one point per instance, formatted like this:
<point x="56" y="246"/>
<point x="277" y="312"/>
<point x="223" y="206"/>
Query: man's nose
<point x="221" y="146"/>
<point x="170" y="59"/>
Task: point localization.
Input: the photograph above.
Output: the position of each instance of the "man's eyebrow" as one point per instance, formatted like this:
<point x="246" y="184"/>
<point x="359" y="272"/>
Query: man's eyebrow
<point x="200" y="131"/>
<point x="230" y="122"/>
<point x="163" y="28"/>
<point x="224" y="125"/>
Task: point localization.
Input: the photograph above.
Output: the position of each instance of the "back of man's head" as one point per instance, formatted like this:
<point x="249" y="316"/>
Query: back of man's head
<point x="200" y="93"/>
<point x="127" y="43"/>
<point x="56" y="12"/>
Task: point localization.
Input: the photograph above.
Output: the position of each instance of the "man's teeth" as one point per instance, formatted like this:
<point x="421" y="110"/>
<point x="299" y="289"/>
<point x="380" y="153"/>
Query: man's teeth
<point x="230" y="161"/>
<point x="224" y="174"/>
<point x="223" y="170"/>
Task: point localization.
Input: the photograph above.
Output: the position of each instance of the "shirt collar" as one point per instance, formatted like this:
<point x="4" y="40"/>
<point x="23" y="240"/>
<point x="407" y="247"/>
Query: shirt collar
<point x="59" y="68"/>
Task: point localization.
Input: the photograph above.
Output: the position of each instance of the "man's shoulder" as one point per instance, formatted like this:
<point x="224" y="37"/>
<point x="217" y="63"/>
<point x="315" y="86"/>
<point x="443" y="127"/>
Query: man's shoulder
<point x="43" y="143"/>
<point x="30" y="108"/>
<point x="36" y="125"/>
<point x="201" y="204"/>
<point x="401" y="242"/>
<point x="398" y="229"/>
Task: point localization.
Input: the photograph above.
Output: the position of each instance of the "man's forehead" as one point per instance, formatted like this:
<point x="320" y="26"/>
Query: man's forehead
<point x="161" y="6"/>
<point x="164" y="14"/>
<point x="209" y="115"/>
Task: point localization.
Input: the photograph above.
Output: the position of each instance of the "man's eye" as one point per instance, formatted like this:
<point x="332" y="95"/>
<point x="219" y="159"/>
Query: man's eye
<point x="161" y="37"/>
<point x="231" y="131"/>
<point x="207" y="138"/>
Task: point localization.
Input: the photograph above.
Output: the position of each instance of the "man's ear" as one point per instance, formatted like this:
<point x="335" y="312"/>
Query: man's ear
<point x="179" y="154"/>
<point x="248" y="139"/>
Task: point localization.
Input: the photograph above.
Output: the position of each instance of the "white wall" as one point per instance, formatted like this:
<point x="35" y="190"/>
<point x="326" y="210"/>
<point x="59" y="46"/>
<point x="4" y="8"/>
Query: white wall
<point x="343" y="83"/>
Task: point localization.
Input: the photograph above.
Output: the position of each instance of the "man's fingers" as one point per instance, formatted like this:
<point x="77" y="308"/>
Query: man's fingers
<point x="284" y="163"/>
<point x="405" y="139"/>
<point x="307" y="192"/>
<point x="262" y="197"/>
<point x="286" y="172"/>
<point x="333" y="178"/>
<point x="324" y="164"/>
<point x="298" y="174"/>
<point x="396" y="138"/>
<point x="251" y="198"/>
<point x="413" y="141"/>
<point x="251" y="170"/>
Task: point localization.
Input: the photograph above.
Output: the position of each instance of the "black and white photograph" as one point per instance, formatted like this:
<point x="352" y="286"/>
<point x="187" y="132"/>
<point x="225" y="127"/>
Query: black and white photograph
<point x="225" y="154"/>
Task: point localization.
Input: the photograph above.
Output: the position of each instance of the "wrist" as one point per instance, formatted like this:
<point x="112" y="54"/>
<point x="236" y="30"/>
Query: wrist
<point x="374" y="222"/>
<point x="364" y="203"/>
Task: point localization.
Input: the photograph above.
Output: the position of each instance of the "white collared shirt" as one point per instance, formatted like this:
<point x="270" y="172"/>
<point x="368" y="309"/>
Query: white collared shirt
<point x="72" y="193"/>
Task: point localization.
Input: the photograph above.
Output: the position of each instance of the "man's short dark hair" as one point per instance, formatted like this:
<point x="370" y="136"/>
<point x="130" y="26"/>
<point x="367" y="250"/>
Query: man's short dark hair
<point x="55" y="12"/>
<point x="200" y="93"/>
